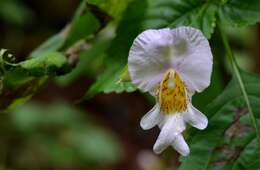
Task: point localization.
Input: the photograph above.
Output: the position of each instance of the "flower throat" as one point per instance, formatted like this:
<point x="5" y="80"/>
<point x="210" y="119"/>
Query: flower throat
<point x="172" y="93"/>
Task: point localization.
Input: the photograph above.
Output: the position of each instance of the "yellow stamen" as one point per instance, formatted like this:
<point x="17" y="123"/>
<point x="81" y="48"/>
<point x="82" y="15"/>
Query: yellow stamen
<point x="172" y="93"/>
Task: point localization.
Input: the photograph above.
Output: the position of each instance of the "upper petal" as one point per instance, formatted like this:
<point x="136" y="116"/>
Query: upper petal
<point x="184" y="49"/>
<point x="148" y="58"/>
<point x="193" y="58"/>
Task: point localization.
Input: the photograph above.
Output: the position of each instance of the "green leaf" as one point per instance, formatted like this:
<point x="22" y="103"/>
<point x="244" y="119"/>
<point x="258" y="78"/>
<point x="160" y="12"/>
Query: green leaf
<point x="51" y="63"/>
<point x="15" y="12"/>
<point x="114" y="8"/>
<point x="88" y="20"/>
<point x="31" y="116"/>
<point x="21" y="80"/>
<point x="116" y="55"/>
<point x="109" y="82"/>
<point x="249" y="158"/>
<point x="230" y="129"/>
<point x="127" y="31"/>
<point x="195" y="13"/>
<point x="84" y="23"/>
<point x="240" y="12"/>
<point x="74" y="137"/>
<point x="3" y="168"/>
<point x="95" y="144"/>
<point x="125" y="76"/>
<point x="82" y="27"/>
<point x="90" y="60"/>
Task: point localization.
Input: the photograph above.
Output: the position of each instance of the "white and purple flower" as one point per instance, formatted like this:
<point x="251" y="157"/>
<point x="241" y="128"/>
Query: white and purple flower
<point x="171" y="64"/>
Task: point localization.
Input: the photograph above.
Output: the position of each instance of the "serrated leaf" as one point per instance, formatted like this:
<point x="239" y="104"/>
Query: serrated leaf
<point x="110" y="82"/>
<point x="240" y="12"/>
<point x="230" y="128"/>
<point x="48" y="64"/>
<point x="195" y="13"/>
<point x="118" y="52"/>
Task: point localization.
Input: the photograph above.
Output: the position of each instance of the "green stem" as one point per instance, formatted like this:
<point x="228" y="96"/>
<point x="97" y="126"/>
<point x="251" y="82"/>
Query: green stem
<point x="237" y="73"/>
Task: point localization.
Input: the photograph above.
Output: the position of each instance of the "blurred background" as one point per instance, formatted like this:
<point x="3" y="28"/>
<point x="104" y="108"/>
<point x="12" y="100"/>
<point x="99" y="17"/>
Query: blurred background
<point x="53" y="131"/>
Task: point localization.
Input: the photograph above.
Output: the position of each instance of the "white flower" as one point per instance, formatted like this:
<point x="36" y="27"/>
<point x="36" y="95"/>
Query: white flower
<point x="171" y="64"/>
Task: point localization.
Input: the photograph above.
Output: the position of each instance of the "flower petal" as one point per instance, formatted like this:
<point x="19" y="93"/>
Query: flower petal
<point x="193" y="58"/>
<point x="152" y="118"/>
<point x="173" y="126"/>
<point x="148" y="58"/>
<point x="195" y="118"/>
<point x="180" y="145"/>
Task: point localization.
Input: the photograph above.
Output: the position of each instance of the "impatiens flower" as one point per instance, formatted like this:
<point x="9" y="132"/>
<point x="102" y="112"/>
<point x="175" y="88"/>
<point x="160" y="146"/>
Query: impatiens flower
<point x="171" y="64"/>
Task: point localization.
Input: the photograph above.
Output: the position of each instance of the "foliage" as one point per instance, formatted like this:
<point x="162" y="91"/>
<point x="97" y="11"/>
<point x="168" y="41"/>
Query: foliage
<point x="14" y="12"/>
<point x="96" y="44"/>
<point x="230" y="135"/>
<point x="73" y="135"/>
<point x="238" y="12"/>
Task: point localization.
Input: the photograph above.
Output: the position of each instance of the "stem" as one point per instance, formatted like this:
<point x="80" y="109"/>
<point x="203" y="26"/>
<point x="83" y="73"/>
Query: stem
<point x="236" y="70"/>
